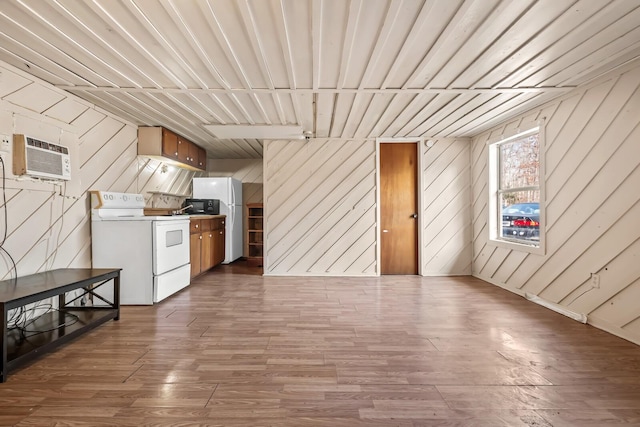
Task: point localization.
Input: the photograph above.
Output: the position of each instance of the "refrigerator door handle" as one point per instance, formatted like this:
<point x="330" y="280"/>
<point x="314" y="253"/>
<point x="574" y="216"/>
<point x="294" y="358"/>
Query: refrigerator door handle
<point x="232" y="193"/>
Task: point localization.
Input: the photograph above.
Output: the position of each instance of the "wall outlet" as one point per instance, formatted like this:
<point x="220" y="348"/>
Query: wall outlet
<point x="595" y="280"/>
<point x="5" y="143"/>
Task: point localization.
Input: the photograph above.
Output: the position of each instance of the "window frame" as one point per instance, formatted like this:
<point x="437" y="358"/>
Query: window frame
<point x="495" y="219"/>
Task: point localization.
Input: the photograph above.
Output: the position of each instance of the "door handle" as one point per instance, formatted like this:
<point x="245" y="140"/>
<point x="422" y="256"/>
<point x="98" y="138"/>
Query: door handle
<point x="414" y="216"/>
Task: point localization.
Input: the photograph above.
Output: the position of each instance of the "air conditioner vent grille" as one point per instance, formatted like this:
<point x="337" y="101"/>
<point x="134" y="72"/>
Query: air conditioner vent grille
<point x="41" y="161"/>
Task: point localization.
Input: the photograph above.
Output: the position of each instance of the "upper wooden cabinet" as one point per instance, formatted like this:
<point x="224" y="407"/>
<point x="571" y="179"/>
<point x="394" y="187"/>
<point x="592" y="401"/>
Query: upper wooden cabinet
<point x="197" y="157"/>
<point x="167" y="146"/>
<point x="202" y="158"/>
<point x="184" y="147"/>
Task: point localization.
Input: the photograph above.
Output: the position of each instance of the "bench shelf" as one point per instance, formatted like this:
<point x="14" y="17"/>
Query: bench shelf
<point x="53" y="328"/>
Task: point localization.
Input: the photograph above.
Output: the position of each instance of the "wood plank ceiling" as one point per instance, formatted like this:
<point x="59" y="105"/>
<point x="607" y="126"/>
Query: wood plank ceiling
<point x="340" y="69"/>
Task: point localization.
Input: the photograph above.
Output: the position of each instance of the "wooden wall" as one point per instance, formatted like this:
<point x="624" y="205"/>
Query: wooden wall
<point x="49" y="222"/>
<point x="592" y="181"/>
<point x="320" y="204"/>
<point x="321" y="207"/>
<point x="446" y="216"/>
<point x="248" y="171"/>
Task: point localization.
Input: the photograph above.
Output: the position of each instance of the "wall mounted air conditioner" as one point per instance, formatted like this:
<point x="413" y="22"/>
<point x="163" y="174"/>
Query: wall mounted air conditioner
<point x="40" y="159"/>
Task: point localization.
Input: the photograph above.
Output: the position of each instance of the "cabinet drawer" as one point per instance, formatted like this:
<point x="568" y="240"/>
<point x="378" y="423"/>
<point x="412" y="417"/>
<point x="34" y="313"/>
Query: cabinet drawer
<point x="195" y="226"/>
<point x="218" y="224"/>
<point x="207" y="224"/>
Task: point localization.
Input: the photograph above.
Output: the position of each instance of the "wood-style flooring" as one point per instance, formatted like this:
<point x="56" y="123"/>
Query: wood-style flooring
<point x="239" y="349"/>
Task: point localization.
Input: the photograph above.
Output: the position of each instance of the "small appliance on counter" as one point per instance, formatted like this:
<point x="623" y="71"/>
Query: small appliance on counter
<point x="201" y="206"/>
<point x="153" y="251"/>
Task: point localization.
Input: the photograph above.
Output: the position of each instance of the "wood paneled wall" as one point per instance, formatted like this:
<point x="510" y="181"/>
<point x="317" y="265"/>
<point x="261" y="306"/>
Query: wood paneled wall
<point x="592" y="225"/>
<point x="320" y="202"/>
<point x="321" y="207"/>
<point x="49" y="222"/>
<point x="446" y="216"/>
<point x="248" y="171"/>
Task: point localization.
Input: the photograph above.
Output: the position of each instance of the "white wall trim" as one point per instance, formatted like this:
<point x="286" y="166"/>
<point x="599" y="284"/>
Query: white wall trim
<point x="265" y="216"/>
<point x="578" y="317"/>
<point x="539" y="127"/>
<point x="318" y="275"/>
<point x="444" y="275"/>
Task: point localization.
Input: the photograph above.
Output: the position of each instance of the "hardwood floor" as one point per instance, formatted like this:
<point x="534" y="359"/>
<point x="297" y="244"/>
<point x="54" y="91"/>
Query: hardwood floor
<point x="238" y="349"/>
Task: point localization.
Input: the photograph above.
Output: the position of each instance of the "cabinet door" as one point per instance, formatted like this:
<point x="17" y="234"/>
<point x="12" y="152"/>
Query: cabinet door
<point x="195" y="254"/>
<point x="207" y="248"/>
<point x="207" y="224"/>
<point x="169" y="144"/>
<point x="193" y="155"/>
<point x="195" y="226"/>
<point x="202" y="159"/>
<point x="218" y="243"/>
<point x="183" y="149"/>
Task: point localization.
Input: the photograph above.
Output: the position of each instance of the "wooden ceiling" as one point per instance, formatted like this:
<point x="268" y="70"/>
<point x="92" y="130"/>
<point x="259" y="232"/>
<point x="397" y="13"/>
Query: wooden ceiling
<point x="339" y="68"/>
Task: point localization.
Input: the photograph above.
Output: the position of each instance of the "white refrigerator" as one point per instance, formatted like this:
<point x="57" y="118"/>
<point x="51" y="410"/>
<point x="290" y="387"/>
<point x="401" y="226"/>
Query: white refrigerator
<point x="229" y="192"/>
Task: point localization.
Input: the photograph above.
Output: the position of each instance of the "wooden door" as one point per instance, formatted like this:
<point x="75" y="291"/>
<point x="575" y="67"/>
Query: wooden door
<point x="398" y="208"/>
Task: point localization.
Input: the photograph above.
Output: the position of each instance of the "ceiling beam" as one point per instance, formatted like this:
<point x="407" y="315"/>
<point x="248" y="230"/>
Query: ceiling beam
<point x="496" y="90"/>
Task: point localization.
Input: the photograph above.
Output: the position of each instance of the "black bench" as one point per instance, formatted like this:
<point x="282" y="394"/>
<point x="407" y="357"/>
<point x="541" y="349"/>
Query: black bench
<point x="57" y="326"/>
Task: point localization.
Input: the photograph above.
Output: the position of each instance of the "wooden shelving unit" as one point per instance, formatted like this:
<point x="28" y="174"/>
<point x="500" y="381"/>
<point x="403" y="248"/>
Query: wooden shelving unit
<point x="255" y="234"/>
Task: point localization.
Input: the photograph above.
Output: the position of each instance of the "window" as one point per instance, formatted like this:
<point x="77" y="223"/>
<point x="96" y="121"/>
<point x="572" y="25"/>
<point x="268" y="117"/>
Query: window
<point x="516" y="192"/>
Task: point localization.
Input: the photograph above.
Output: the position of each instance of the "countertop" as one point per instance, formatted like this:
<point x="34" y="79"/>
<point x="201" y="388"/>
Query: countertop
<point x="168" y="212"/>
<point x="205" y="216"/>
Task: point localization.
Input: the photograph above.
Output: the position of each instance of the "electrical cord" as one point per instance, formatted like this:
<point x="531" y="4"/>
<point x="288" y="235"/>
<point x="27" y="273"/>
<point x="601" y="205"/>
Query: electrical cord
<point x="6" y="221"/>
<point x="22" y="324"/>
<point x="24" y="330"/>
<point x="4" y="201"/>
<point x="57" y="242"/>
<point x="15" y="317"/>
<point x="21" y="318"/>
<point x="23" y="315"/>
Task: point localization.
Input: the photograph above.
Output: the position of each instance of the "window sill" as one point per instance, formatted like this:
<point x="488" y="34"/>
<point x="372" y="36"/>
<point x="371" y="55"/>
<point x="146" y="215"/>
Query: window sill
<point x="518" y="246"/>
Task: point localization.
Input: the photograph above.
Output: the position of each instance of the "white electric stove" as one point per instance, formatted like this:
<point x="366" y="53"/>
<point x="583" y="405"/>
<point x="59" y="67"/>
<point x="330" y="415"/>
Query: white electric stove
<point x="153" y="251"/>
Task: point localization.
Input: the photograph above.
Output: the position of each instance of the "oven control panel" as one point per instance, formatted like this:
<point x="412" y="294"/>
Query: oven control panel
<point x="114" y="200"/>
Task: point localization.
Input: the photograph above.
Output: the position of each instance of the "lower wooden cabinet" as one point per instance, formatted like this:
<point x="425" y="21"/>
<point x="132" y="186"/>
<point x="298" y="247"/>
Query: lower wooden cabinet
<point x="195" y="246"/>
<point x="218" y="243"/>
<point x="207" y="243"/>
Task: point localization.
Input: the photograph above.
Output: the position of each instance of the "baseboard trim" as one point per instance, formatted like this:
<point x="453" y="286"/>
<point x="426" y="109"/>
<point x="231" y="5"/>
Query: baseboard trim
<point x="318" y="275"/>
<point x="578" y="317"/>
<point x="591" y="320"/>
<point x="612" y="329"/>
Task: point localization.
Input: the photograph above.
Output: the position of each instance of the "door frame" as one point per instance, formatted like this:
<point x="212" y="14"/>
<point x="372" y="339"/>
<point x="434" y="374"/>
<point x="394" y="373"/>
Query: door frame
<point x="419" y="141"/>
